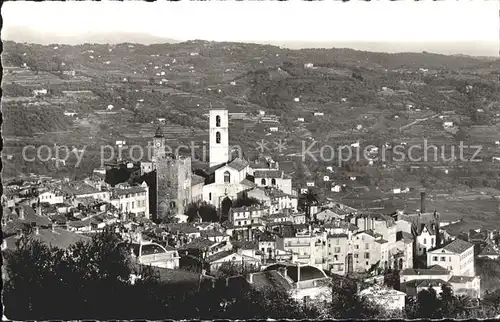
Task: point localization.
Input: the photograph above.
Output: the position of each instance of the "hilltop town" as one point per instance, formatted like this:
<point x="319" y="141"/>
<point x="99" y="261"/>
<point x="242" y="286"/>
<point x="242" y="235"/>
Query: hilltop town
<point x="262" y="216"/>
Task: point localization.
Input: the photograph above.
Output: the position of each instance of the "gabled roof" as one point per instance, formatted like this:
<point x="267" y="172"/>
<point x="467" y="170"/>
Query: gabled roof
<point x="427" y="283"/>
<point x="221" y="255"/>
<point x="238" y="164"/>
<point x="489" y="251"/>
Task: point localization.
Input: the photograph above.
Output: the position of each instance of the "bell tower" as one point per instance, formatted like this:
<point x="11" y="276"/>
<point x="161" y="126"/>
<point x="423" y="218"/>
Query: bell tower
<point x="219" y="137"/>
<point x="158" y="145"/>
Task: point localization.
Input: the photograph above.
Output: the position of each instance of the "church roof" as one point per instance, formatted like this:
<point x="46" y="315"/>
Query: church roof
<point x="238" y="164"/>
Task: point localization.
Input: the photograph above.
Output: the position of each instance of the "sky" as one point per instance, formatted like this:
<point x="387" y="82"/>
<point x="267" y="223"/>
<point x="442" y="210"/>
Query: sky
<point x="472" y="21"/>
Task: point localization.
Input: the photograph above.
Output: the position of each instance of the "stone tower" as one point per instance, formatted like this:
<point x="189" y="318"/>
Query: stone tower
<point x="219" y="137"/>
<point x="158" y="145"/>
<point x="173" y="185"/>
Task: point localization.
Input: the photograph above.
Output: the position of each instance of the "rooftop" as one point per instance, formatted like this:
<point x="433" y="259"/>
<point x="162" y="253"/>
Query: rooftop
<point x="458" y="246"/>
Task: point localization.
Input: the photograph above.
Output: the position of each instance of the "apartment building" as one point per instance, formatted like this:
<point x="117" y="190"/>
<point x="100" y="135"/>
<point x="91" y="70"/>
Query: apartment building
<point x="457" y="256"/>
<point x="131" y="199"/>
<point x="245" y="216"/>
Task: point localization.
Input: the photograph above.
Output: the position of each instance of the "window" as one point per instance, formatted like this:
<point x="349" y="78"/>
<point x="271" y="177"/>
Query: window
<point x="432" y="241"/>
<point x="263" y="181"/>
<point x="337" y="250"/>
<point x="337" y="241"/>
<point x="357" y="247"/>
<point x="209" y="196"/>
<point x="227" y="177"/>
<point x="367" y="263"/>
<point x="449" y="259"/>
<point x="425" y="241"/>
<point x="217" y="137"/>
<point x="133" y="205"/>
<point x="443" y="259"/>
<point x="273" y="181"/>
<point x="339" y="268"/>
<point x="367" y="255"/>
<point x="435" y="258"/>
<point x="367" y="246"/>
<point x="355" y="255"/>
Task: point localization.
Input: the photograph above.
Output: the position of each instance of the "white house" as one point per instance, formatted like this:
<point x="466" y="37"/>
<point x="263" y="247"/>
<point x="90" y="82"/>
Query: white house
<point x="310" y="183"/>
<point x="296" y="99"/>
<point x="318" y="113"/>
<point x="326" y="178"/>
<point x="457" y="257"/>
<point x="50" y="197"/>
<point x="110" y="107"/>
<point x="300" y="119"/>
<point x="447" y="124"/>
<point x="308" y="65"/>
<point x="39" y="92"/>
<point x="273" y="129"/>
<point x="69" y="113"/>
<point x="335" y="188"/>
<point x="131" y="199"/>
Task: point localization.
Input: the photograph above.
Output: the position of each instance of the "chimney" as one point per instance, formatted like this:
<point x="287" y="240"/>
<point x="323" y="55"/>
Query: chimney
<point x="21" y="212"/>
<point x="53" y="228"/>
<point x="37" y="231"/>
<point x="422" y="202"/>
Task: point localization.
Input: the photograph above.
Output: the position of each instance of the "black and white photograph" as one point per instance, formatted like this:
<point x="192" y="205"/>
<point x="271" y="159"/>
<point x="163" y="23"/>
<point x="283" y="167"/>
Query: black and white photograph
<point x="242" y="160"/>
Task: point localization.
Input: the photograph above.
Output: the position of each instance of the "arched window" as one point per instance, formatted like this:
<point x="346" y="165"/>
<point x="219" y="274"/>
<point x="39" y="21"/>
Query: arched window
<point x="217" y="137"/>
<point x="273" y="181"/>
<point x="263" y="181"/>
<point x="227" y="177"/>
<point x="217" y="121"/>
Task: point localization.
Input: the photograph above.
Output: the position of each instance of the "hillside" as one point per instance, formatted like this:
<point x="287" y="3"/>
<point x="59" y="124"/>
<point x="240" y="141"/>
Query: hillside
<point x="364" y="96"/>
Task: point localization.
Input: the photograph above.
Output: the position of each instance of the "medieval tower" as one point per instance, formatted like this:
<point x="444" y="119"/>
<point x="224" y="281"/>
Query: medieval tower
<point x="219" y="137"/>
<point x="173" y="180"/>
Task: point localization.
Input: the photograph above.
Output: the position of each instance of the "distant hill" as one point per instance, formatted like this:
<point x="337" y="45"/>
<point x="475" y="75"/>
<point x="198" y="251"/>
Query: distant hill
<point x="21" y="34"/>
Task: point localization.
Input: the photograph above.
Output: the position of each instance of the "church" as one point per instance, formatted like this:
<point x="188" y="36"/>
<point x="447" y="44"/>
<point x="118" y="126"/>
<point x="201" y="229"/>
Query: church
<point x="222" y="183"/>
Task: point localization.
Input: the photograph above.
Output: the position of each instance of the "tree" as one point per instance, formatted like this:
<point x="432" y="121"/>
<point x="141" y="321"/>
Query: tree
<point x="245" y="201"/>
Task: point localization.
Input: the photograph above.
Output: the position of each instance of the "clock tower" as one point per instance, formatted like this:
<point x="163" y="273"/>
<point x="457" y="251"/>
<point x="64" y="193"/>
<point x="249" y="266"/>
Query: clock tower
<point x="158" y="145"/>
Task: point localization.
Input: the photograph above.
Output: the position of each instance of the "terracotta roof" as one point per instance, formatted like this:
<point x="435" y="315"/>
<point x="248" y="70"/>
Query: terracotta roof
<point x="248" y="183"/>
<point x="220" y="255"/>
<point x="427" y="283"/>
<point x="268" y="174"/>
<point x="458" y="246"/>
<point x="245" y="244"/>
<point x="489" y="251"/>
<point x="270" y="279"/>
<point x="196" y="179"/>
<point x="461" y="279"/>
<point x="238" y="164"/>
<point x="199" y="243"/>
<point x="435" y="270"/>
